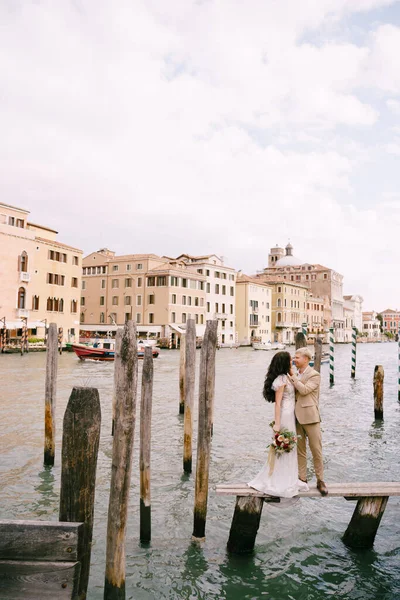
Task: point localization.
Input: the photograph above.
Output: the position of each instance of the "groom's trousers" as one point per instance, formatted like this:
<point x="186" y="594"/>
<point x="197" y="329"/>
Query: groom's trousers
<point x="312" y="431"/>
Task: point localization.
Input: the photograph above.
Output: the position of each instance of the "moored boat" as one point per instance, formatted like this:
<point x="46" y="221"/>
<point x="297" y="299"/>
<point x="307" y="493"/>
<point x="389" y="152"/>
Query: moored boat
<point x="104" y="350"/>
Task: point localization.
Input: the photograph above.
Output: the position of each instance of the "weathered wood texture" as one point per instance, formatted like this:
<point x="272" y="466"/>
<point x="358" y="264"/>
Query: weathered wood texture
<point x="50" y="395"/>
<point x="206" y="400"/>
<point x="20" y="580"/>
<point x="245" y="524"/>
<point x="117" y="350"/>
<point x="126" y="362"/>
<point x="354" y="489"/>
<point x="80" y="444"/>
<point x="317" y="354"/>
<point x="365" y="521"/>
<point x="378" y="391"/>
<point x="182" y="374"/>
<point x="145" y="445"/>
<point x="190" y="377"/>
<point x="40" y="540"/>
<point x="300" y="340"/>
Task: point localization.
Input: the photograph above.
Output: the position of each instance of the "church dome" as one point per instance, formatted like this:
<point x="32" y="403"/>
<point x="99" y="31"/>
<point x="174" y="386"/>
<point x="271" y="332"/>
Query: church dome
<point x="289" y="260"/>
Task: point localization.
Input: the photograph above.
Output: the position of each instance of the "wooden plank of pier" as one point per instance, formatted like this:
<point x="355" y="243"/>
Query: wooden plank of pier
<point x="44" y="580"/>
<point x="343" y="490"/>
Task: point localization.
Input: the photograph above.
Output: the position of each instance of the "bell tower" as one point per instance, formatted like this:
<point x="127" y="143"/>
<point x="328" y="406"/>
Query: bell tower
<point x="274" y="255"/>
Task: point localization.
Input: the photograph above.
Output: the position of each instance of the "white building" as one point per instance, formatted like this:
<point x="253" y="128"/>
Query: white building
<point x="354" y="304"/>
<point x="371" y="326"/>
<point x="253" y="310"/>
<point x="220" y="293"/>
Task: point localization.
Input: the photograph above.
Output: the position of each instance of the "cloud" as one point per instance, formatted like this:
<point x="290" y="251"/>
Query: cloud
<point x="201" y="126"/>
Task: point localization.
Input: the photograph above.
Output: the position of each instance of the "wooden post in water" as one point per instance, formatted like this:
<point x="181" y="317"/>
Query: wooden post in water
<point x="378" y="391"/>
<point x="317" y="354"/>
<point x="145" y="445"/>
<point x="60" y="339"/>
<point x="190" y="375"/>
<point x="353" y="352"/>
<point x="300" y="340"/>
<point x="126" y="362"/>
<point x="331" y="357"/>
<point x="182" y="383"/>
<point x="206" y="399"/>
<point x="117" y="349"/>
<point x="80" y="445"/>
<point x="365" y="521"/>
<point x="50" y="396"/>
<point x="245" y="524"/>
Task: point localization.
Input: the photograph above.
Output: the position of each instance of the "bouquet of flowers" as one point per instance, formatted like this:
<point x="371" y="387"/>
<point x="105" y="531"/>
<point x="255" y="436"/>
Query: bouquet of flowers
<point x="282" y="441"/>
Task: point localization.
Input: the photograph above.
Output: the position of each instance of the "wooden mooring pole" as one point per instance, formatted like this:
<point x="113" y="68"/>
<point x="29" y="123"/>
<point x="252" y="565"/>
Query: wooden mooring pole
<point x="182" y="376"/>
<point x="126" y="362"/>
<point x="317" y="354"/>
<point x="206" y="399"/>
<point x="378" y="391"/>
<point x="190" y="376"/>
<point x="117" y="350"/>
<point x="145" y="445"/>
<point x="365" y="521"/>
<point x="50" y="396"/>
<point x="245" y="524"/>
<point x="80" y="445"/>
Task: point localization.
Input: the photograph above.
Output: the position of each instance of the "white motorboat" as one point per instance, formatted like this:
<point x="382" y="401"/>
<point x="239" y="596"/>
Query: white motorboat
<point x="262" y="346"/>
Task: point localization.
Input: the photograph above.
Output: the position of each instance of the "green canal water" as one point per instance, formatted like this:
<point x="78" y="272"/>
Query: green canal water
<point x="299" y="553"/>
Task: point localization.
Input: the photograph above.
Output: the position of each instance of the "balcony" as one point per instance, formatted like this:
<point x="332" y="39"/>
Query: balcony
<point x="285" y="324"/>
<point x="22" y="312"/>
<point x="220" y="316"/>
<point x="254" y="323"/>
<point x="23" y="276"/>
<point x="254" y="309"/>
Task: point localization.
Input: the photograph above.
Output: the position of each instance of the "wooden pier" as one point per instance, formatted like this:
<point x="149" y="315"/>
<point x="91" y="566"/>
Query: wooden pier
<point x="371" y="503"/>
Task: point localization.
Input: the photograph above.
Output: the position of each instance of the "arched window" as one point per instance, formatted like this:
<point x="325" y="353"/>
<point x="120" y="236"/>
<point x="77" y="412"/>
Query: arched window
<point x="82" y="317"/>
<point x="279" y="317"/>
<point x="73" y="306"/>
<point x="23" y="262"/>
<point x="21" y="297"/>
<point x="279" y="302"/>
<point x="49" y="306"/>
<point x="61" y="305"/>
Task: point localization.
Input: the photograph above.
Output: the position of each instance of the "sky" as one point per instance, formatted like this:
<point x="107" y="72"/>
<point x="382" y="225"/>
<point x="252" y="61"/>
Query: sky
<point x="209" y="126"/>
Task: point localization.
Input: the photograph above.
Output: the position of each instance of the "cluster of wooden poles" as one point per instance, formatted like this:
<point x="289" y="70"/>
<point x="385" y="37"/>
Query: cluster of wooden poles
<point x="81" y="451"/>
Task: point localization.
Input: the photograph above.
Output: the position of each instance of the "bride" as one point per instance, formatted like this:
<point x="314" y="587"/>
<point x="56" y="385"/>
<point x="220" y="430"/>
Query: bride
<point x="282" y="478"/>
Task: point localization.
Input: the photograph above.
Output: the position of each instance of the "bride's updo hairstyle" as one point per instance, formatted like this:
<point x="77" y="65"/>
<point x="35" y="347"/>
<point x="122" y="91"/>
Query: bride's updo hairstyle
<point x="280" y="365"/>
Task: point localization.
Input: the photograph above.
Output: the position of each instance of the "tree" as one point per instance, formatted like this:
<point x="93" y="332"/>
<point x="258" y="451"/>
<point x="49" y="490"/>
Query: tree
<point x="380" y="319"/>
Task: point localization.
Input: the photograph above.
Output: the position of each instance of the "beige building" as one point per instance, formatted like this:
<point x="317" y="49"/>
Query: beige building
<point x="158" y="294"/>
<point x="371" y="326"/>
<point x="289" y="310"/>
<point x="253" y="310"/>
<point x="40" y="277"/>
<point x="220" y="291"/>
<point x="316" y="320"/>
<point x="321" y="281"/>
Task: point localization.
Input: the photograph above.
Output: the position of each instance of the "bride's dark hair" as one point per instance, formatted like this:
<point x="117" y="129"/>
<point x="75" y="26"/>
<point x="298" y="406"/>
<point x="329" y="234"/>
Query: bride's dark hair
<point x="280" y="365"/>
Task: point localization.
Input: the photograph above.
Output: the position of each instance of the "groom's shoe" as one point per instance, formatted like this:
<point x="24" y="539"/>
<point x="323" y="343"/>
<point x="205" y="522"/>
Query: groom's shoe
<point x="321" y="485"/>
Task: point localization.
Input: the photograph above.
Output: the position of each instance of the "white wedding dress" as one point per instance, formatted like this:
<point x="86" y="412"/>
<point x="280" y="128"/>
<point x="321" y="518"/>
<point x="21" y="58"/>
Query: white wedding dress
<point x="283" y="481"/>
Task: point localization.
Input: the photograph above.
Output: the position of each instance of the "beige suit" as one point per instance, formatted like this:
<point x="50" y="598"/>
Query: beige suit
<point x="308" y="420"/>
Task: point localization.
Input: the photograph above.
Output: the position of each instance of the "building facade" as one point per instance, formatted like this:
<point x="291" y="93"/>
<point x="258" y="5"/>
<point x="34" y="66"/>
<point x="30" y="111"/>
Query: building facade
<point x="354" y="304"/>
<point x="391" y="321"/>
<point x="158" y="294"/>
<point x="322" y="282"/>
<point x="289" y="310"/>
<point x="40" y="277"/>
<point x="316" y="321"/>
<point x="371" y="326"/>
<point x="253" y="310"/>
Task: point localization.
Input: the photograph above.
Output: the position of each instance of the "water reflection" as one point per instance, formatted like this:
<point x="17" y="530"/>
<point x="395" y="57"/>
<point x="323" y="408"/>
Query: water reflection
<point x="47" y="497"/>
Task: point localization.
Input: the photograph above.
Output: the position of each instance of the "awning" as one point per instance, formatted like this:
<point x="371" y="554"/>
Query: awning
<point x="178" y="329"/>
<point x="19" y="324"/>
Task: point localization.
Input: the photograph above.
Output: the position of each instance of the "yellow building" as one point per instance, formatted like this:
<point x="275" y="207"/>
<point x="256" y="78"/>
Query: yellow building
<point x="317" y="323"/>
<point x="40" y="277"/>
<point x="289" y="310"/>
<point x="158" y="294"/>
<point x="253" y="310"/>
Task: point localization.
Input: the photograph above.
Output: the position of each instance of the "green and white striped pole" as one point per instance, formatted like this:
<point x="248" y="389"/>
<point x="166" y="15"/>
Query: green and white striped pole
<point x="353" y="352"/>
<point x="398" y="397"/>
<point x="331" y="357"/>
<point x="304" y="329"/>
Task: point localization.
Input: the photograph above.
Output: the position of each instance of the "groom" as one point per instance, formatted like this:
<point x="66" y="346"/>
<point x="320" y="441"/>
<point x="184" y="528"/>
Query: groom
<point x="308" y="418"/>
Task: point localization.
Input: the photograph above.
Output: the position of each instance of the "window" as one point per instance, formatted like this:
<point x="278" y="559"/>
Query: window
<point x="201" y="320"/>
<point x="183" y="317"/>
<point x="151" y="281"/>
<point x="161" y="280"/>
<point x="196" y="317"/>
<point x="11" y="221"/>
<point x="216" y="274"/>
<point x="184" y="300"/>
<point x="173" y="317"/>
<point x="127" y="317"/>
<point x="82" y="300"/>
<point x="138" y="318"/>
<point x="175" y="281"/>
<point x="82" y="319"/>
<point x="173" y="300"/>
<point x="61" y="305"/>
<point x="129" y="267"/>
<point x="74" y="282"/>
<point x="216" y="307"/>
<point x="138" y="300"/>
<point x="128" y="282"/>
<point x="189" y="300"/>
<point x="231" y="309"/>
<point x="23" y="262"/>
<point x="115" y="283"/>
<point x="98" y="270"/>
<point x="83" y="285"/>
<point x="115" y="300"/>
<point x="102" y="317"/>
<point x="103" y="284"/>
<point x="208" y="273"/>
<point x="151" y="317"/>
<point x="196" y="301"/>
<point x="224" y="290"/>
<point x="325" y="275"/>
<point x="115" y="268"/>
<point x="184" y="283"/>
<point x="152" y="299"/>
<point x="139" y="267"/>
<point x="217" y="288"/>
<point x="208" y="288"/>
<point x="75" y="260"/>
<point x="35" y="302"/>
<point x="73" y="306"/>
<point x="139" y="282"/>
<point x="101" y="300"/>
<point x="128" y="300"/>
<point x="208" y="307"/>
<point x="200" y="271"/>
<point x="232" y="290"/>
